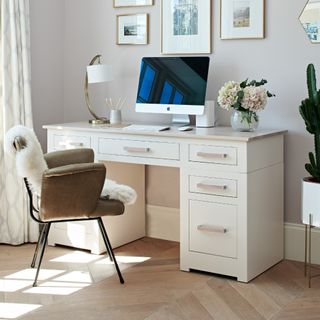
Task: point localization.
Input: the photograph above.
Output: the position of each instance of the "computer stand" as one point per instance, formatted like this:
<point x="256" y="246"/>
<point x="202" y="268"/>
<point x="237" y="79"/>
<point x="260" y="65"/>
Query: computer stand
<point x="180" y="119"/>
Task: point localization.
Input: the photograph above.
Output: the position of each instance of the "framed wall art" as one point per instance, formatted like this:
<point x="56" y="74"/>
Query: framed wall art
<point x="185" y="26"/>
<point x="132" y="29"/>
<point x="242" y="19"/>
<point x="131" y="3"/>
<point x="310" y="20"/>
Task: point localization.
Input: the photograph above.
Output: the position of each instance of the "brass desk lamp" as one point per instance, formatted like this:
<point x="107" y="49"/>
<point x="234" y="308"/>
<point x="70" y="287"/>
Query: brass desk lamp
<point x="96" y="73"/>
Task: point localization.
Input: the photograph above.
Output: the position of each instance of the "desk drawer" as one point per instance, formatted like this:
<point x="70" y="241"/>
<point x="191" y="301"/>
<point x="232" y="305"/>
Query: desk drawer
<point x="214" y="186"/>
<point x="61" y="142"/>
<point x="213" y="154"/>
<point x="139" y="148"/>
<point x="213" y="228"/>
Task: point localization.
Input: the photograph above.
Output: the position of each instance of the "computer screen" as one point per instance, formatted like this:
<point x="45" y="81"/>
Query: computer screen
<point x="172" y="85"/>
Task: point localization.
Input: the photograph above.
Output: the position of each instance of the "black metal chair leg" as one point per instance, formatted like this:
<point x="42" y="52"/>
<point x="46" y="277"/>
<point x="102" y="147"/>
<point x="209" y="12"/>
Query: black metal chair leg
<point x="109" y="251"/>
<point x="109" y="248"/>
<point x="45" y="236"/>
<point x="40" y="239"/>
<point x="108" y="244"/>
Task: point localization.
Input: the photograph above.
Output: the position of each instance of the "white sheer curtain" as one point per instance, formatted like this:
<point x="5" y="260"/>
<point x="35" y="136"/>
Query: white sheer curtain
<point x="15" y="108"/>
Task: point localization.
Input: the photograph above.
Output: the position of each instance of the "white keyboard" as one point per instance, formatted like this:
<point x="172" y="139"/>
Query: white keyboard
<point x="145" y="128"/>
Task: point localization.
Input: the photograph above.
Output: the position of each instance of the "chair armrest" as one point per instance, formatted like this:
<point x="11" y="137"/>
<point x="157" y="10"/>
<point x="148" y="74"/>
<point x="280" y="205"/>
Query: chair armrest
<point x="71" y="191"/>
<point x="65" y="157"/>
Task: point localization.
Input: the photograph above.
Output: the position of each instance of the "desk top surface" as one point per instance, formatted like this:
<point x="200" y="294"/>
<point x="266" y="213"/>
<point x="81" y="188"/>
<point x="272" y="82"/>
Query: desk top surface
<point x="216" y="133"/>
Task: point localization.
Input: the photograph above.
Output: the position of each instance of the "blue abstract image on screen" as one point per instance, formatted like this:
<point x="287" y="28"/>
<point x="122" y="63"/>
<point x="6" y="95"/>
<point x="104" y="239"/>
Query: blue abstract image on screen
<point x="178" y="98"/>
<point x="166" y="92"/>
<point x="146" y="83"/>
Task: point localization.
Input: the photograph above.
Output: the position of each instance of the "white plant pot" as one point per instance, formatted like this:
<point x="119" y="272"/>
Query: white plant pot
<point x="311" y="201"/>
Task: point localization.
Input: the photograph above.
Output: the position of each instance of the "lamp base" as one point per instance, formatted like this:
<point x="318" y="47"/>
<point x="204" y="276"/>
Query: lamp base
<point x="99" y="121"/>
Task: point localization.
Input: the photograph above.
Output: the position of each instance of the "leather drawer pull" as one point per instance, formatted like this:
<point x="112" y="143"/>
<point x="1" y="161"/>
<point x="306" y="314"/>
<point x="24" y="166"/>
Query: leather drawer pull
<point x="212" y="155"/>
<point x="203" y="185"/>
<point x="136" y="149"/>
<point x="211" y="228"/>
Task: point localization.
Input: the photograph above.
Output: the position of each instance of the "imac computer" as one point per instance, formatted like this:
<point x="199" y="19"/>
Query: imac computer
<point x="173" y="85"/>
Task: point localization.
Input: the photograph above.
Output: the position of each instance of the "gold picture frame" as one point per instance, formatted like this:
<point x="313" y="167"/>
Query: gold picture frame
<point x="188" y="41"/>
<point x="133" y="29"/>
<point x="242" y="19"/>
<point x="135" y="3"/>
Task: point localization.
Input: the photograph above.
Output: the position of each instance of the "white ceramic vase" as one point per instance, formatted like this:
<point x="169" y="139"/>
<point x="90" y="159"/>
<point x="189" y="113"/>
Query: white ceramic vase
<point x="310" y="201"/>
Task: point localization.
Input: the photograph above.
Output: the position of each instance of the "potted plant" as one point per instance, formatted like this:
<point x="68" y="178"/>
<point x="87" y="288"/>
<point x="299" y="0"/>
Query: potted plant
<point x="246" y="99"/>
<point x="310" y="112"/>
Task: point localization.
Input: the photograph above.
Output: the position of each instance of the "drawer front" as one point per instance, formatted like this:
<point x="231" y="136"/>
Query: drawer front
<point x="139" y="148"/>
<point x="213" y="228"/>
<point x="213" y="154"/>
<point x="214" y="186"/>
<point x="61" y="142"/>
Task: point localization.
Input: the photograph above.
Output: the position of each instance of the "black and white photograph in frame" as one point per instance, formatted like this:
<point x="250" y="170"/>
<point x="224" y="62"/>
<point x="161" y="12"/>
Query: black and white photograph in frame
<point x="186" y="26"/>
<point x="242" y="19"/>
<point x="131" y="3"/>
<point x="132" y="29"/>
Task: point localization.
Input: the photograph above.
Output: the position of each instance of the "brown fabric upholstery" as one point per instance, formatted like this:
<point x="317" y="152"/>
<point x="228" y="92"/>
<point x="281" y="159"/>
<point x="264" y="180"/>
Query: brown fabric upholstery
<point x="73" y="191"/>
<point x="71" y="187"/>
<point x="66" y="157"/>
<point x="106" y="207"/>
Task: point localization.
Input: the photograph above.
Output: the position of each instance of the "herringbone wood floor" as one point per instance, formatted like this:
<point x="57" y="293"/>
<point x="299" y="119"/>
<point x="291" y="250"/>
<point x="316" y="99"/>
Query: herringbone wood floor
<point x="156" y="289"/>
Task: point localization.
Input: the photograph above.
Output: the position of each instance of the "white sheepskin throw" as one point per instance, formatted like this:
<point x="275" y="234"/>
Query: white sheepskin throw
<point x="120" y="192"/>
<point x="30" y="162"/>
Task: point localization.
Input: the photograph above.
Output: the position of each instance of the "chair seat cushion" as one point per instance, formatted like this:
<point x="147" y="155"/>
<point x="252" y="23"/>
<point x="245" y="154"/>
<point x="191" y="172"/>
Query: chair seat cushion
<point x="105" y="207"/>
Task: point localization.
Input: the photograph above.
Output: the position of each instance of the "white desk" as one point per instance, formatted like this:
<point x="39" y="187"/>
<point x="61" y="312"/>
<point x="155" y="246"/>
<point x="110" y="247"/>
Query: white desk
<point x="231" y="191"/>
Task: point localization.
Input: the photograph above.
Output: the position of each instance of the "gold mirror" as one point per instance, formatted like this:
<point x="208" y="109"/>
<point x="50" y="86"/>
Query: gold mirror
<point x="310" y="20"/>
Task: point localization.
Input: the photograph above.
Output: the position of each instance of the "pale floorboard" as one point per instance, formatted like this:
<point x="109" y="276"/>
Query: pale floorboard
<point x="155" y="289"/>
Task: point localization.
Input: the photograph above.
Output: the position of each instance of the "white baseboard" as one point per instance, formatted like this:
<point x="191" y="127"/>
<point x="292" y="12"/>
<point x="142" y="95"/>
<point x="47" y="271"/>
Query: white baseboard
<point x="164" y="223"/>
<point x="294" y="235"/>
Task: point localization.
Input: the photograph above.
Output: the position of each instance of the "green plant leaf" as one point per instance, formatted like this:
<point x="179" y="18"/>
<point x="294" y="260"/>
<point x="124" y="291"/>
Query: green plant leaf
<point x="270" y="95"/>
<point x="303" y="113"/>
<point x="243" y="84"/>
<point x="240" y="94"/>
<point x="317" y="149"/>
<point x="312" y="160"/>
<point x="311" y="82"/>
<point x="317" y="109"/>
<point x="258" y="83"/>
<point x="309" y="110"/>
<point x="310" y="169"/>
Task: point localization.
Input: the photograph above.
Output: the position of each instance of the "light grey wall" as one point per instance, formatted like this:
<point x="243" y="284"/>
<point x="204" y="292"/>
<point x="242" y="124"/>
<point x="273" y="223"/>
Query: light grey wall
<point x="47" y="32"/>
<point x="90" y="28"/>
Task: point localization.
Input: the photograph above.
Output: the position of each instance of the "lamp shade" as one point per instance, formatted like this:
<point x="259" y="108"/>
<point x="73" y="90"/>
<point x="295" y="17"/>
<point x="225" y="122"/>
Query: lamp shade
<point x="311" y="202"/>
<point x="99" y="73"/>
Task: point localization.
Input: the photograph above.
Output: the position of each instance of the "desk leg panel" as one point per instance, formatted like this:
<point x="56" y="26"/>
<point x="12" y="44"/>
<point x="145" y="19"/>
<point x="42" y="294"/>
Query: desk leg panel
<point x="131" y="225"/>
<point x="121" y="229"/>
